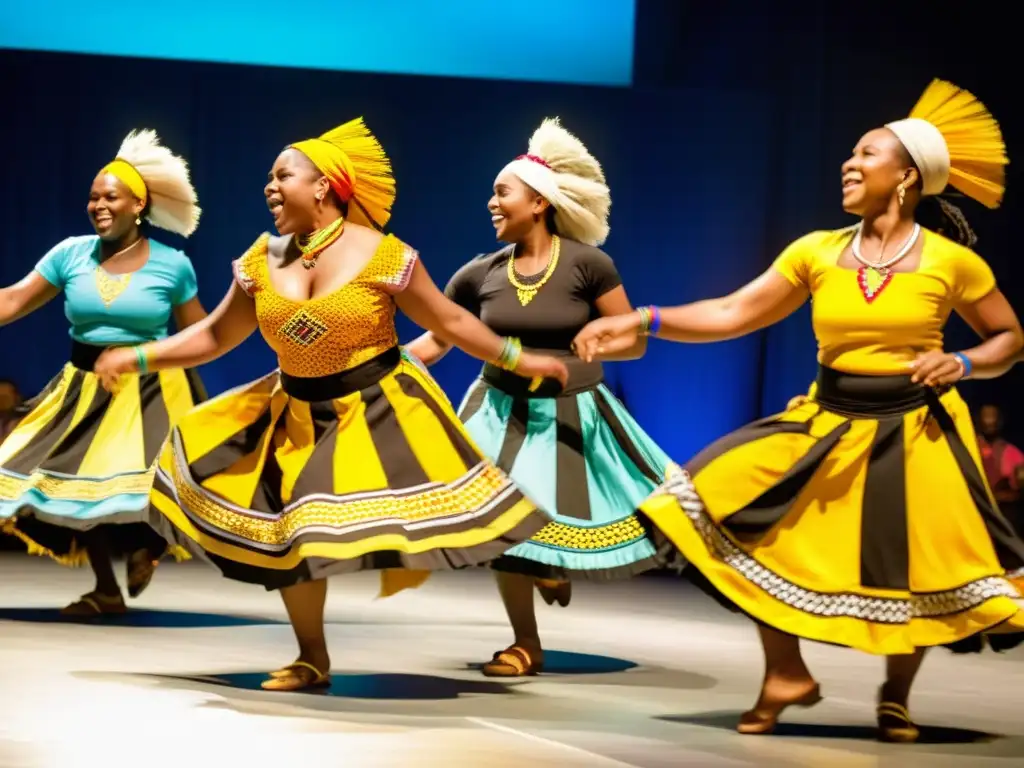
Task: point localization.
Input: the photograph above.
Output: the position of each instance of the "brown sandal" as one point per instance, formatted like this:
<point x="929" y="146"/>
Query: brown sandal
<point x="763" y="718"/>
<point x="514" y="661"/>
<point x="554" y="591"/>
<point x="895" y="725"/>
<point x="95" y="604"/>
<point x="139" y="571"/>
<point x="298" y="676"/>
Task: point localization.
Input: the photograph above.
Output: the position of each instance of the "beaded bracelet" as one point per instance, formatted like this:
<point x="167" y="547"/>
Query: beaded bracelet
<point x="966" y="366"/>
<point x="650" y="320"/>
<point x="142" y="359"/>
<point x="510" y="353"/>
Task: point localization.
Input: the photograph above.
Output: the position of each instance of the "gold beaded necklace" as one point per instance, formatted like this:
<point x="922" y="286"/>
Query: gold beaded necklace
<point x="525" y="293"/>
<point x="315" y="243"/>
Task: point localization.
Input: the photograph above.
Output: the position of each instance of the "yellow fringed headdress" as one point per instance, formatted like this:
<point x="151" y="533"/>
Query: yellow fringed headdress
<point x="359" y="171"/>
<point x="954" y="140"/>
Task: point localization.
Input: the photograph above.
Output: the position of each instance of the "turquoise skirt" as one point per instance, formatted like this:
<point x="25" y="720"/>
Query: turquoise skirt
<point x="586" y="462"/>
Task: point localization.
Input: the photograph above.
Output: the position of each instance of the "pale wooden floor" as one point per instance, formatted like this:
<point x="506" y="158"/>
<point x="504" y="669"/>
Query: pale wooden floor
<point x="646" y="673"/>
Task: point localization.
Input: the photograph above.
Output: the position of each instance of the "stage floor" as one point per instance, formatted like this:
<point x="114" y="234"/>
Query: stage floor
<point x="644" y="673"/>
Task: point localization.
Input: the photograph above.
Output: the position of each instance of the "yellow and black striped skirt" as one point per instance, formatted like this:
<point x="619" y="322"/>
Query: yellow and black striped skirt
<point x="859" y="518"/>
<point x="288" y="479"/>
<point x="82" y="457"/>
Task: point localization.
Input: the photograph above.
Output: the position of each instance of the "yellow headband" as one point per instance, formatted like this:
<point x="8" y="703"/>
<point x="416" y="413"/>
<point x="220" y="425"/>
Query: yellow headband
<point x="357" y="168"/>
<point x="127" y="175"/>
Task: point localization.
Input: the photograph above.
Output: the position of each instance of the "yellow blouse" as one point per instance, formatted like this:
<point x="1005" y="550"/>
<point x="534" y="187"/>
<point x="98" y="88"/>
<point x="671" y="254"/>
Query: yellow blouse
<point x="907" y="316"/>
<point x="331" y="333"/>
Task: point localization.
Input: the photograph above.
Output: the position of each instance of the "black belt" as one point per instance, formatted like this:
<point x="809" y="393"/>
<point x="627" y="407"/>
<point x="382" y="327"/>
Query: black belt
<point x="314" y="389"/>
<point x="84" y="356"/>
<point x="872" y="396"/>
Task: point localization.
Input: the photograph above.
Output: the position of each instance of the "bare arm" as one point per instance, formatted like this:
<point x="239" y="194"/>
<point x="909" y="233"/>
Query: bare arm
<point x="25" y="297"/>
<point x="426" y="306"/>
<point x="189" y="313"/>
<point x="428" y="348"/>
<point x="231" y="323"/>
<point x="994" y="320"/>
<point x="760" y="303"/>
<point x="615" y="302"/>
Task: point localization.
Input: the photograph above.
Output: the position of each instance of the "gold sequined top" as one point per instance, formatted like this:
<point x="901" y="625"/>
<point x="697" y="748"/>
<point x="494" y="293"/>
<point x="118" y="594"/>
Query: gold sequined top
<point x="336" y="332"/>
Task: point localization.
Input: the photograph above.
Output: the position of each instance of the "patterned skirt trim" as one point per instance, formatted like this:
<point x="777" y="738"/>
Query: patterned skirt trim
<point x="585" y="461"/>
<point x="871" y="530"/>
<point x="83" y="457"/>
<point x="275" y="490"/>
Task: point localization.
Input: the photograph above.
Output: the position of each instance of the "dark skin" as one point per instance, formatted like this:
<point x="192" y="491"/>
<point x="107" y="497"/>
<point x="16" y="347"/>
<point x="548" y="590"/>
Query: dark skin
<point x="301" y="201"/>
<point x="878" y="168"/>
<point x="520" y="215"/>
<point x="112" y="209"/>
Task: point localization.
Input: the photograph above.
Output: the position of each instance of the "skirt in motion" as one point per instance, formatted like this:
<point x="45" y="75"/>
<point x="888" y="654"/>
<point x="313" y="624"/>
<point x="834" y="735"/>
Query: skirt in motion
<point x="82" y="457"/>
<point x="858" y="518"/>
<point x="289" y="479"/>
<point x="582" y="459"/>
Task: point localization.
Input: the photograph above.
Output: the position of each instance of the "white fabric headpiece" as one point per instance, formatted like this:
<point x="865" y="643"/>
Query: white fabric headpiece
<point x="926" y="146"/>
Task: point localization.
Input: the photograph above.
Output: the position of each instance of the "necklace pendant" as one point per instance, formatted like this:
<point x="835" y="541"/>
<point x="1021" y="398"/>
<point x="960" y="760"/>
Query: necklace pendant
<point x="872" y="282"/>
<point x="525" y="296"/>
<point x="309" y="263"/>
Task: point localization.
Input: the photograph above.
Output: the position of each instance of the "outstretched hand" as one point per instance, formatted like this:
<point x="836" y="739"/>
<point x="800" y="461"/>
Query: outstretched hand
<point x="607" y="336"/>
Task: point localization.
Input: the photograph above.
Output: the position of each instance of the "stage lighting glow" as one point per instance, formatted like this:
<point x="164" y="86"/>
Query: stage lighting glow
<point x="565" y="41"/>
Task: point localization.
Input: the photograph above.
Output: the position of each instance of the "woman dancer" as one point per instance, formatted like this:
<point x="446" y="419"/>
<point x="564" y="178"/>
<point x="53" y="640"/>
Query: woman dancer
<point x="349" y="457"/>
<point x="882" y="453"/>
<point x="77" y="470"/>
<point x="576" y="452"/>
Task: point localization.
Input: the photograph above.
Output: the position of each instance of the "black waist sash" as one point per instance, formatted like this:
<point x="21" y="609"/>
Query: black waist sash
<point x="314" y="389"/>
<point x="853" y="394"/>
<point x="84" y="356"/>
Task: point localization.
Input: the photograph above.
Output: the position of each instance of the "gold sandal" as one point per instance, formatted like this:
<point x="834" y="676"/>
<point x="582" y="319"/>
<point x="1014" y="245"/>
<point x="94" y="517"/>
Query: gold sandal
<point x="895" y="725"/>
<point x="762" y="719"/>
<point x="514" y="661"/>
<point x="307" y="676"/>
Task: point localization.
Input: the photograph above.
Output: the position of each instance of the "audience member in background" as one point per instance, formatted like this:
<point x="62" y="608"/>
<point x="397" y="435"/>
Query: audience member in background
<point x="76" y="472"/>
<point x="576" y="451"/>
<point x="1003" y="463"/>
<point x="861" y="517"/>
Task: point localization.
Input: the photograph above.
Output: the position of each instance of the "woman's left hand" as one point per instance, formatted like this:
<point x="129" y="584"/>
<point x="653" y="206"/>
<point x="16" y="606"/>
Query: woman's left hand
<point x="114" y="362"/>
<point x="936" y="369"/>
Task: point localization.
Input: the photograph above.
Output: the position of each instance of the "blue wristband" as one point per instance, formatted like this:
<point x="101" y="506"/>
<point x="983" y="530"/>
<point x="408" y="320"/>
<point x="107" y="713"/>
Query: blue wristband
<point x="965" y="361"/>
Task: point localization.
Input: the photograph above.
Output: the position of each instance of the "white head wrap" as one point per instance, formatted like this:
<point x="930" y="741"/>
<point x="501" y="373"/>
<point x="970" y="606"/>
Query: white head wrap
<point x="928" y="149"/>
<point x="561" y="170"/>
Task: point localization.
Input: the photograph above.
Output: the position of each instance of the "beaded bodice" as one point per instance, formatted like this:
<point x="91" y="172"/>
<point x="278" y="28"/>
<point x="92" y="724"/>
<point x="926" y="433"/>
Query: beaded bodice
<point x="335" y="332"/>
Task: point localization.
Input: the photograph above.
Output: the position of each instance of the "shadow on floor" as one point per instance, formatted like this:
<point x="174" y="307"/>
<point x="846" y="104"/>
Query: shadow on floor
<point x="382" y="686"/>
<point x="930" y="735"/>
<point x="570" y="663"/>
<point x="135" y="618"/>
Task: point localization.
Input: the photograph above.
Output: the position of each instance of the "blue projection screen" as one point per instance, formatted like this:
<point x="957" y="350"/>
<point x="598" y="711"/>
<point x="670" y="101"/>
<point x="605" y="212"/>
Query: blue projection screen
<point x="586" y="42"/>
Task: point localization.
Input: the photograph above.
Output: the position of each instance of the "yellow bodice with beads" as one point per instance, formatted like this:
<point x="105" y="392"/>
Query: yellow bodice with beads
<point x="335" y="332"/>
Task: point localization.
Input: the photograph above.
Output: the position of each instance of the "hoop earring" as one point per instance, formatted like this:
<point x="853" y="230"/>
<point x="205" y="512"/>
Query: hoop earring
<point x="901" y="193"/>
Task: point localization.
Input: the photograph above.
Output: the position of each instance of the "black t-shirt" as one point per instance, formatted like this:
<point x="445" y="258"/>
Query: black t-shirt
<point x="558" y="311"/>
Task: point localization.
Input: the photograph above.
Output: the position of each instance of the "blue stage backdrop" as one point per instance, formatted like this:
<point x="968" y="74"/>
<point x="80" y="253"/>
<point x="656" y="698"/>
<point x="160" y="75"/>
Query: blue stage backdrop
<point x="568" y="41"/>
<point x="680" y="228"/>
